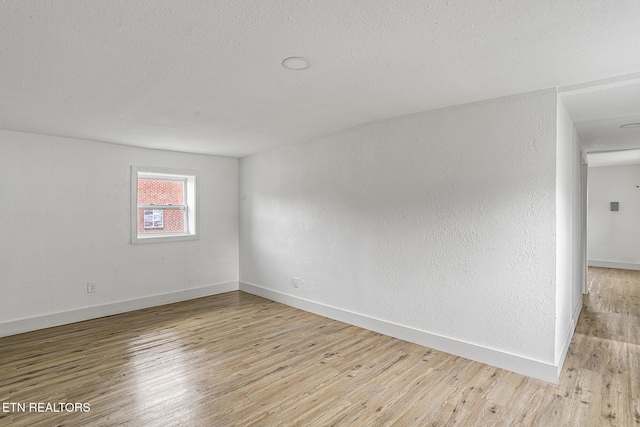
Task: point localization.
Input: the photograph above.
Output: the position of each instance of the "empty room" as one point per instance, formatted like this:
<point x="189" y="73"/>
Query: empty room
<point x="319" y="213"/>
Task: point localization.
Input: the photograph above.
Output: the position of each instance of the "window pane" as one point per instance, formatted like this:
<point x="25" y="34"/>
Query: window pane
<point x="164" y="205"/>
<point x="170" y="221"/>
<point x="160" y="192"/>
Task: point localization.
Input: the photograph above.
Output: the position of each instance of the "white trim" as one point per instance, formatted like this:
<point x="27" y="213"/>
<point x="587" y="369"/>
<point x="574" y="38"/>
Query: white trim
<point x="569" y="334"/>
<point x="597" y="85"/>
<point x="164" y="237"/>
<point x="168" y="207"/>
<point x="192" y="196"/>
<point x="614" y="264"/>
<point x="177" y="176"/>
<point x="511" y="362"/>
<point x="78" y="315"/>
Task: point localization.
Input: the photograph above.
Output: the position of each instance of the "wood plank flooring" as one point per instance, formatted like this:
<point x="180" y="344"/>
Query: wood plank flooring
<point x="239" y="360"/>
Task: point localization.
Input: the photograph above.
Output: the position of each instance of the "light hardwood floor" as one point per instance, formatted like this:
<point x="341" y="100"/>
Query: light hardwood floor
<point x="237" y="359"/>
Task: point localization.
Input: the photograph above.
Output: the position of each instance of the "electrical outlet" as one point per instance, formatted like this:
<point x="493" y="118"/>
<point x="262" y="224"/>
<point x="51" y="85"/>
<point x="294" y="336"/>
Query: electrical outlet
<point x="295" y="282"/>
<point x="91" y="287"/>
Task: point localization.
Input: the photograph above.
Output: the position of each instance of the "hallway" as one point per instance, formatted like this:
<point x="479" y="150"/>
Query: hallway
<point x="602" y="370"/>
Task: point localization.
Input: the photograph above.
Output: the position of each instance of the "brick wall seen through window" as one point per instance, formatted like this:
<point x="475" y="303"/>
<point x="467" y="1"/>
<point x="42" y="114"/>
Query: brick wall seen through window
<point x="162" y="192"/>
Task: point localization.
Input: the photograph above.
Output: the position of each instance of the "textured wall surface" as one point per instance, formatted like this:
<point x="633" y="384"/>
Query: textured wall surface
<point x="569" y="272"/>
<point x="442" y="221"/>
<point x="66" y="222"/>
<point x="614" y="236"/>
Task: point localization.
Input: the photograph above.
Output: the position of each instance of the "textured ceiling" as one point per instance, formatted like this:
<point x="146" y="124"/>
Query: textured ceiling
<point x="599" y="110"/>
<point x="205" y="76"/>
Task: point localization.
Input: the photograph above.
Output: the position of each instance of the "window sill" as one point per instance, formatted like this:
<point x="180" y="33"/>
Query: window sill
<point x="163" y="238"/>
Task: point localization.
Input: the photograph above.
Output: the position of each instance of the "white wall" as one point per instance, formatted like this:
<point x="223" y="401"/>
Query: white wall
<point x="439" y="225"/>
<point x="614" y="236"/>
<point x="65" y="221"/>
<point x="570" y="271"/>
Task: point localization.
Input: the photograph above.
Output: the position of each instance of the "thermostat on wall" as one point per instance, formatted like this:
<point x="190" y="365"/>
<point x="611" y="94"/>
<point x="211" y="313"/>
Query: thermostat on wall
<point x="615" y="206"/>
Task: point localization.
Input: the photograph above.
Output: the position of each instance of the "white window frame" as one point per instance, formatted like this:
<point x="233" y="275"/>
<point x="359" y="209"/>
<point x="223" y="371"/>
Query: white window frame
<point x="190" y="206"/>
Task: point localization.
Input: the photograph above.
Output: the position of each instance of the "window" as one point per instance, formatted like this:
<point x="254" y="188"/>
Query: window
<point x="163" y="205"/>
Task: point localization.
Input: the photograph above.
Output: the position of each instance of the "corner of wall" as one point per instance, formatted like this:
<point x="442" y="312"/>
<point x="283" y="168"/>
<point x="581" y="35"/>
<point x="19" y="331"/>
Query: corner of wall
<point x="511" y="362"/>
<point x="569" y="226"/>
<point x="78" y="315"/>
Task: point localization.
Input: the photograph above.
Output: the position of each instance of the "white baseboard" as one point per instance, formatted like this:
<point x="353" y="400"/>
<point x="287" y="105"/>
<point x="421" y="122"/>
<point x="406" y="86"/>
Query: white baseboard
<point x="78" y="315"/>
<point x="569" y="334"/>
<point x="511" y="362"/>
<point x="614" y="264"/>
